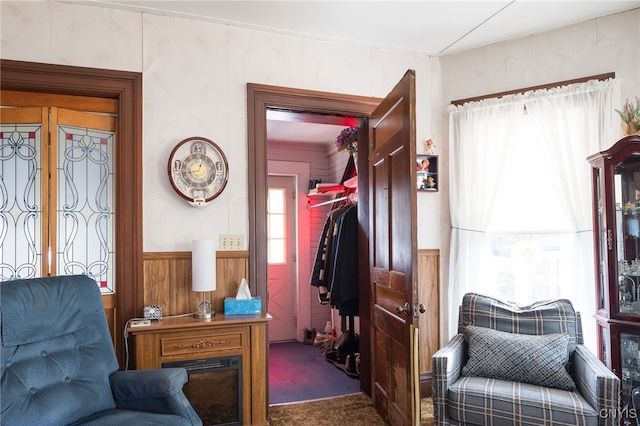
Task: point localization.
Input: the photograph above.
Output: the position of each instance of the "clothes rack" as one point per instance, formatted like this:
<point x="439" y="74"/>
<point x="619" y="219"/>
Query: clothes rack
<point x="335" y="268"/>
<point x="353" y="197"/>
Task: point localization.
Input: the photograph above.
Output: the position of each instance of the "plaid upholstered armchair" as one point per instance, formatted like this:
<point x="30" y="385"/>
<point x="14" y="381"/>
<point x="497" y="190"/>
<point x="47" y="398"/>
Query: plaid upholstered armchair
<point x="521" y="365"/>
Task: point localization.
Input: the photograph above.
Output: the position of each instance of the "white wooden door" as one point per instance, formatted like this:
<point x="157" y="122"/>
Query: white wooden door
<point x="282" y="265"/>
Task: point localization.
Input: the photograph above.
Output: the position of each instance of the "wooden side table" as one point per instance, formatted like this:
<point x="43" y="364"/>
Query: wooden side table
<point x="186" y="338"/>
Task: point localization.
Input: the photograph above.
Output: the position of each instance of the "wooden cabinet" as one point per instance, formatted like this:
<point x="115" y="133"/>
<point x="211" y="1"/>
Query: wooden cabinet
<point x="616" y="220"/>
<point x="187" y="338"/>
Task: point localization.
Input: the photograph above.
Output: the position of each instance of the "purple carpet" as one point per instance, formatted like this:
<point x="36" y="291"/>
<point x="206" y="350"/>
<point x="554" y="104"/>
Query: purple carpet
<point x="299" y="372"/>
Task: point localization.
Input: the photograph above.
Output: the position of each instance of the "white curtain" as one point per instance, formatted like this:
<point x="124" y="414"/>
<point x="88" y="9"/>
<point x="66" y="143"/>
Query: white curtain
<point x="521" y="210"/>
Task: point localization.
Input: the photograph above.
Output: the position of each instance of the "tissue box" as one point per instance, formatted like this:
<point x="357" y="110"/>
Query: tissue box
<point x="233" y="306"/>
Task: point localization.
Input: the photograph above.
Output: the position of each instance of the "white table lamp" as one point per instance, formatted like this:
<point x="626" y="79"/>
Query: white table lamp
<point x="203" y="272"/>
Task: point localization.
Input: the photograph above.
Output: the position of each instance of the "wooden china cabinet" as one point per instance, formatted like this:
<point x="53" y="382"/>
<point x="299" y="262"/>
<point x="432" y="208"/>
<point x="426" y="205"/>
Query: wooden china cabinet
<point x="616" y="225"/>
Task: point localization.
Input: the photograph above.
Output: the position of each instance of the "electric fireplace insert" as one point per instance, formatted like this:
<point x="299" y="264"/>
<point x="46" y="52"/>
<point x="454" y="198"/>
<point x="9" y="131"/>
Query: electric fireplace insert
<point x="214" y="388"/>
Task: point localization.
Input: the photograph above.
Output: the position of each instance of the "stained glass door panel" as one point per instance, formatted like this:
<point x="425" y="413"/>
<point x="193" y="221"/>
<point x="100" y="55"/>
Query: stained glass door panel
<point x="23" y="228"/>
<point x="57" y="194"/>
<point x="85" y="196"/>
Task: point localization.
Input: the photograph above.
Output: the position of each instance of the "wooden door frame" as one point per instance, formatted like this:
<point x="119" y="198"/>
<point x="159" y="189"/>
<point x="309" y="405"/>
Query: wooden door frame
<point x="259" y="99"/>
<point x="126" y="87"/>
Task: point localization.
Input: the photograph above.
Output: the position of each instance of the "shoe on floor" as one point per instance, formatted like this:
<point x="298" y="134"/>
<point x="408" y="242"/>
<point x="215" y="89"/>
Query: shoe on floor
<point x="309" y="336"/>
<point x="335" y="358"/>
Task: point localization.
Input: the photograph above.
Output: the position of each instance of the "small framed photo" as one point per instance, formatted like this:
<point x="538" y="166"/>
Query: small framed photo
<point x="427" y="172"/>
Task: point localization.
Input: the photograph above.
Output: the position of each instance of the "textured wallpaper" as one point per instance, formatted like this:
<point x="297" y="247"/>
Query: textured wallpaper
<point x="195" y="75"/>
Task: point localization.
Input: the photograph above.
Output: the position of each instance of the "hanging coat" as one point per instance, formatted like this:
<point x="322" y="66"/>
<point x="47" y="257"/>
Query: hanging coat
<point x="344" y="272"/>
<point x="323" y="263"/>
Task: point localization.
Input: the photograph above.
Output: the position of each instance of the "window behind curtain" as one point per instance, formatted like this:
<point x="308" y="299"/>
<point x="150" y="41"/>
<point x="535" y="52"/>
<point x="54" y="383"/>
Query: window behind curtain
<point x="528" y="226"/>
<point x="521" y="195"/>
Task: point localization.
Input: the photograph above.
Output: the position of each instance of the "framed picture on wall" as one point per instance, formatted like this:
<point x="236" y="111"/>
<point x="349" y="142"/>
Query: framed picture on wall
<point x="427" y="172"/>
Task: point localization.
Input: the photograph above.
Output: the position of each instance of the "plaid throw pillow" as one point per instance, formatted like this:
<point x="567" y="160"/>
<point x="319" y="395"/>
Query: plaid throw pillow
<point x="538" y="360"/>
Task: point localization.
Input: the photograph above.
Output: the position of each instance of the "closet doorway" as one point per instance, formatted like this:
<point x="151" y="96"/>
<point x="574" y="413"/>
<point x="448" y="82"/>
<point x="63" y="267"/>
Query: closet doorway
<point x="299" y="152"/>
<point x="394" y="117"/>
<point x="302" y="145"/>
<point x="261" y="99"/>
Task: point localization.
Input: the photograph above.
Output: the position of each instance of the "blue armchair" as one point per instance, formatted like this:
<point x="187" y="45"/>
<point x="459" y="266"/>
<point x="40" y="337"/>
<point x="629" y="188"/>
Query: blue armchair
<point x="521" y="365"/>
<point x="59" y="366"/>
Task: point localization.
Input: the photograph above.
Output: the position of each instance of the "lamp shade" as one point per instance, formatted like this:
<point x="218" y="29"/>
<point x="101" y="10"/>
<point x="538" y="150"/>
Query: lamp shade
<point x="203" y="265"/>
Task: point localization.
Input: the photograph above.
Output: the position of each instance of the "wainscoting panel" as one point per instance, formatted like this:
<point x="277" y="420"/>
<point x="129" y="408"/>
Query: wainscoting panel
<point x="167" y="280"/>
<point x="109" y="303"/>
<point x="429" y="321"/>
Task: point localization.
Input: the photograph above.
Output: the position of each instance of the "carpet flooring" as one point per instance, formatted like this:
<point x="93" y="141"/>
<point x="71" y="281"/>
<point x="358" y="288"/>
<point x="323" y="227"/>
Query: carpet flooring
<point x="354" y="410"/>
<point x="307" y="390"/>
<point x="299" y="372"/>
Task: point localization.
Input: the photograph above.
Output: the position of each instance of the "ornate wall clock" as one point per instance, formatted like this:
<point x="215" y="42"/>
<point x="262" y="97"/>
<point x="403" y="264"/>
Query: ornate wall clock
<point x="198" y="170"/>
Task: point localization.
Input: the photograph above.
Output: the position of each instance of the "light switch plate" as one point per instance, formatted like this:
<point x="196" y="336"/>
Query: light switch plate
<point x="230" y="242"/>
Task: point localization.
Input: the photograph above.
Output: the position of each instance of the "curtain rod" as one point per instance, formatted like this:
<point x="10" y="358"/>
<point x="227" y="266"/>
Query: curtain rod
<point x="600" y="77"/>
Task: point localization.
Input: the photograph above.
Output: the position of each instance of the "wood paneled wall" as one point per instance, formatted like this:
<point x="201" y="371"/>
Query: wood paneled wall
<point x="109" y="303"/>
<point x="167" y="280"/>
<point x="429" y="321"/>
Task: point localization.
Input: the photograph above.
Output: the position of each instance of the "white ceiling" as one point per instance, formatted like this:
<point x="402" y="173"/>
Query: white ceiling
<point x="436" y="27"/>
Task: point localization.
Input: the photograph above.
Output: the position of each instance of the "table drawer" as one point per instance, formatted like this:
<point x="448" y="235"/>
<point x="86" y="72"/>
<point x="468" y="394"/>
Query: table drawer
<point x="172" y="346"/>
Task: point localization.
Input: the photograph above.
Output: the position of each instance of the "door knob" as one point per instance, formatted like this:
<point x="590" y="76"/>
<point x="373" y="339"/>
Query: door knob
<point x="406" y="308"/>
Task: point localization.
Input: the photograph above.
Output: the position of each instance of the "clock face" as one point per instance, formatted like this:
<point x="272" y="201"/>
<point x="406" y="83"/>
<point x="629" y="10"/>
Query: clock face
<point x="198" y="170"/>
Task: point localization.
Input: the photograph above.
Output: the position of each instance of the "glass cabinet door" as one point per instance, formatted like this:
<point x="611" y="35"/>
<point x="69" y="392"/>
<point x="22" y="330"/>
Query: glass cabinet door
<point x="629" y="367"/>
<point x="627" y="201"/>
<point x="601" y="243"/>
<point x="616" y="232"/>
